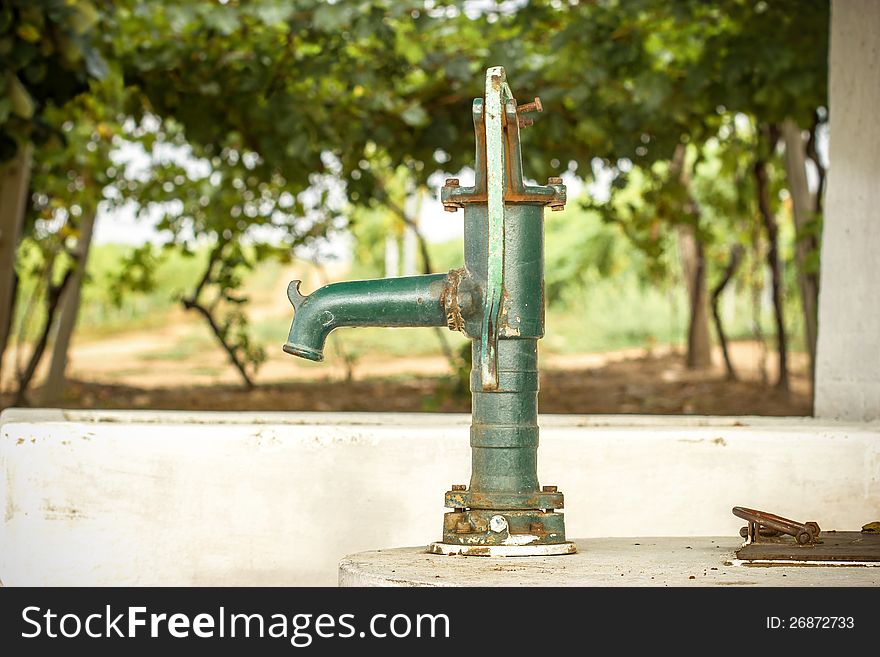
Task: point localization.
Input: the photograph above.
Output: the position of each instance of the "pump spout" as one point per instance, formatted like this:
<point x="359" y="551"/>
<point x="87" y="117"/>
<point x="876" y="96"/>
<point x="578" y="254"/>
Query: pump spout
<point x="404" y="301"/>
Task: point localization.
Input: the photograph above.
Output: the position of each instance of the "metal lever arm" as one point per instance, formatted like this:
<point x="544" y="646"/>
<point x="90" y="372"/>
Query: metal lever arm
<point x="497" y="96"/>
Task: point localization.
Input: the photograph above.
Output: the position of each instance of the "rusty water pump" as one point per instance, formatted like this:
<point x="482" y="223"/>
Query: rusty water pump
<point x="497" y="300"/>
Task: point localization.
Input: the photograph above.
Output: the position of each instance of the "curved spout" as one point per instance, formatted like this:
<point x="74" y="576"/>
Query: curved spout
<point x="404" y="301"/>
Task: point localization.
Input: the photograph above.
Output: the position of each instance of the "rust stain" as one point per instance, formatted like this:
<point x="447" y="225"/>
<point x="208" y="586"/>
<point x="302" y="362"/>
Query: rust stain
<point x="60" y="513"/>
<point x="10" y="509"/>
<point x="450" y="301"/>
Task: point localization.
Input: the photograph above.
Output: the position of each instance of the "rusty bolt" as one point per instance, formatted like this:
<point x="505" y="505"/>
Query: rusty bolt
<point x="459" y="487"/>
<point x="523" y="122"/>
<point x="451" y="183"/>
<point x="535" y="106"/>
<point x="557" y="208"/>
<point x="536" y="527"/>
<point x="554" y="180"/>
<point x="548" y="489"/>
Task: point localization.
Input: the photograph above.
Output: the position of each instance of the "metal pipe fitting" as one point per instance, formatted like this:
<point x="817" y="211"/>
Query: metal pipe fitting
<point x="404" y="301"/>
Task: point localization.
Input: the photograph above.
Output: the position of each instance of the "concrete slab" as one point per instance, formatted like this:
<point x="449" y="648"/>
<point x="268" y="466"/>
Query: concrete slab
<point x="666" y="561"/>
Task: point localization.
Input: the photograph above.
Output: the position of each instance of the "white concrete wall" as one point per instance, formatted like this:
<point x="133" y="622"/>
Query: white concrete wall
<point x="170" y="498"/>
<point x="848" y="362"/>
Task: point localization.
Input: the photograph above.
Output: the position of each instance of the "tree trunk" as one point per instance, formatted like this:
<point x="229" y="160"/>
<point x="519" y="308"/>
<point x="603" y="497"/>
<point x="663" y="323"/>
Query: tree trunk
<point x="813" y="154"/>
<point x="693" y="265"/>
<point x="736" y="254"/>
<point x="410" y="252"/>
<point x="53" y="296"/>
<point x="392" y="256"/>
<point x="14" y="185"/>
<point x="193" y="303"/>
<point x="807" y="242"/>
<point x="772" y="229"/>
<point x="53" y="388"/>
<point x="410" y="240"/>
<point x="756" y="290"/>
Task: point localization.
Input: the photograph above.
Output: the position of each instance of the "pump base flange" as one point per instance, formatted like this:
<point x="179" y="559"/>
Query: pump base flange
<point x="535" y="550"/>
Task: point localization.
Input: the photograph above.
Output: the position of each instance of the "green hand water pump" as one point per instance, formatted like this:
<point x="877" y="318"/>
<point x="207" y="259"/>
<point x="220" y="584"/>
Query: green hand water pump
<point x="497" y="300"/>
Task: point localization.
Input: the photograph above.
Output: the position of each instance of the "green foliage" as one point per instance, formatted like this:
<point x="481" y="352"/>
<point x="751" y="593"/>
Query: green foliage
<point x="47" y="56"/>
<point x="267" y="125"/>
<point x="581" y="250"/>
<point x="632" y="80"/>
<point x="298" y="81"/>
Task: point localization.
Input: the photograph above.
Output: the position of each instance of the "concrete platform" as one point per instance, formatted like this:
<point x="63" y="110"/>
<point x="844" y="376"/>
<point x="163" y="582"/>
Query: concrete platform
<point x="667" y="561"/>
<point x="115" y="498"/>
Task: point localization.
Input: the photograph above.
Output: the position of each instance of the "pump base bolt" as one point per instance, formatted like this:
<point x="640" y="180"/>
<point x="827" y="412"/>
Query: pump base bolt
<point x="459" y="487"/>
<point x="548" y="489"/>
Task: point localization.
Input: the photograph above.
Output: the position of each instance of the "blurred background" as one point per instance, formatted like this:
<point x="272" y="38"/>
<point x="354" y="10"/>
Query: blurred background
<point x="168" y="167"/>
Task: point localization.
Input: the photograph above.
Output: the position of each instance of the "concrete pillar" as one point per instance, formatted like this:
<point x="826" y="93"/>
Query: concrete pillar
<point x="848" y="353"/>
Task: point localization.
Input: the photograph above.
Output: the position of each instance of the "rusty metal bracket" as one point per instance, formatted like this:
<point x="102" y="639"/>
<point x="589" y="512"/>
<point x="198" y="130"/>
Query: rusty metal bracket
<point x="767" y="525"/>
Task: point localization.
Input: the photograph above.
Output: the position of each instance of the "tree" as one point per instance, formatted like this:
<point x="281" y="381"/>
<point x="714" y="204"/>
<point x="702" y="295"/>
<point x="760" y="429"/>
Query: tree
<point x="280" y="100"/>
<point x="635" y="80"/>
<point x="71" y="182"/>
<point x="262" y="146"/>
<point x="47" y="56"/>
<point x="806" y="208"/>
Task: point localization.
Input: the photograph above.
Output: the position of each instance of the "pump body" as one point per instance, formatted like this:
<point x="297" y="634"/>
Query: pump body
<point x="497" y="300"/>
